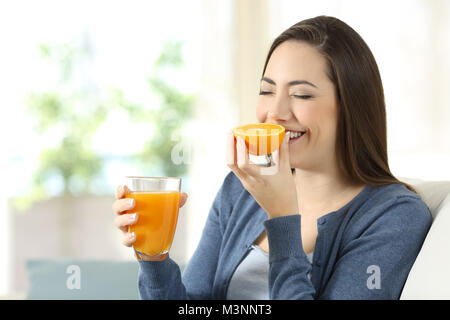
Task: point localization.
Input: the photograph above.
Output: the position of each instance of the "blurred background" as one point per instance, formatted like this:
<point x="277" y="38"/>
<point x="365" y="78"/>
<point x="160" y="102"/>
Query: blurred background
<point x="92" y="91"/>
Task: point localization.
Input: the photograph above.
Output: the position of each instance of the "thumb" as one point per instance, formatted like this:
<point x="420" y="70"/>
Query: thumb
<point x="284" y="151"/>
<point x="183" y="198"/>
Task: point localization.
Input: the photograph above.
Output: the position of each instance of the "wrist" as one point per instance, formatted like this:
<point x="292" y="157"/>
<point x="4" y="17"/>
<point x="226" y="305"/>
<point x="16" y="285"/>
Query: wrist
<point x="282" y="212"/>
<point x="284" y="237"/>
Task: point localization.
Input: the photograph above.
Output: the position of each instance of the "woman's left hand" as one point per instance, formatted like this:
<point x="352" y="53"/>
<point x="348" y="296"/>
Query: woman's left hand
<point x="273" y="188"/>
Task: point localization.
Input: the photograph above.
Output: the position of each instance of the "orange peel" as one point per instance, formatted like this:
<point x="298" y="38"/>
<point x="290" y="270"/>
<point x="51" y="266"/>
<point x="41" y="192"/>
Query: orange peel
<point x="260" y="138"/>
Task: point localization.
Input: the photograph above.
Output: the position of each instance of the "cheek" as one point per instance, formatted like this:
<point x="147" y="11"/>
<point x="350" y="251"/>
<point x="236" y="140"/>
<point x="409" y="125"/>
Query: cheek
<point x="331" y="115"/>
<point x="318" y="119"/>
<point x="306" y="115"/>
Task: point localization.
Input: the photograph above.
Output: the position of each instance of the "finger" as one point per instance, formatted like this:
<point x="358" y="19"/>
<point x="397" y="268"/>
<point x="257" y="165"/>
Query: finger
<point x="230" y="150"/>
<point x="242" y="155"/>
<point x="243" y="160"/>
<point x="121" y="191"/>
<point x="183" y="199"/>
<point x="276" y="157"/>
<point x="284" y="152"/>
<point x="125" y="220"/>
<point x="128" y="239"/>
<point x="232" y="156"/>
<point x="121" y="205"/>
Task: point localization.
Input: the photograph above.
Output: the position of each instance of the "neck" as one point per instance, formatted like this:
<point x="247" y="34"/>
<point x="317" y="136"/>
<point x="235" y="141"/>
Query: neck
<point x="319" y="193"/>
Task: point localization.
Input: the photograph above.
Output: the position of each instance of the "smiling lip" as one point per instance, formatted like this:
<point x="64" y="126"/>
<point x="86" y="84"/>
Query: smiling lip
<point x="292" y="130"/>
<point x="292" y="140"/>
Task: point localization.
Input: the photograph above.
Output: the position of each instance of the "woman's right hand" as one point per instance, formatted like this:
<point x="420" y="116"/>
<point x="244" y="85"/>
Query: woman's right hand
<point x="124" y="220"/>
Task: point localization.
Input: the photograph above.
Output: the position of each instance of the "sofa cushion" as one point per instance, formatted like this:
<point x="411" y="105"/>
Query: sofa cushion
<point x="429" y="277"/>
<point x="82" y="279"/>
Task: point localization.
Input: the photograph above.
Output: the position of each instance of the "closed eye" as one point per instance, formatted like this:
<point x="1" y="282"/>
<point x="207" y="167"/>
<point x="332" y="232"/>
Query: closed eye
<point x="304" y="97"/>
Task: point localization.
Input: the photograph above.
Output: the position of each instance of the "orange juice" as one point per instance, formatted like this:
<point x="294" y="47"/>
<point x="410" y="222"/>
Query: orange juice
<point x="157" y="218"/>
<point x="260" y="138"/>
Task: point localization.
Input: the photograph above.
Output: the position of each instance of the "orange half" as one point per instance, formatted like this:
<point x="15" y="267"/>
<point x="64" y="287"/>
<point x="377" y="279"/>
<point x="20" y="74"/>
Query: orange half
<point x="260" y="138"/>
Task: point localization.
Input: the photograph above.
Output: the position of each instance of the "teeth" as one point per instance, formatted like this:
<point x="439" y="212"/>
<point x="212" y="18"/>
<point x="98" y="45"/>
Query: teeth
<point x="295" y="134"/>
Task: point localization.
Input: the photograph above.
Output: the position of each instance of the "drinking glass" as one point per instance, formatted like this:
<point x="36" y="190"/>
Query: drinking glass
<point x="157" y="204"/>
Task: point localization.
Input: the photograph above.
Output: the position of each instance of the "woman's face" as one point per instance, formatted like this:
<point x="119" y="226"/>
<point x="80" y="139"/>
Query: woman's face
<point x="297" y="93"/>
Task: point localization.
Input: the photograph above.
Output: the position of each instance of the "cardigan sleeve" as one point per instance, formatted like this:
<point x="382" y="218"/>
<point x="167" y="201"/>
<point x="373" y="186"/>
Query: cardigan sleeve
<point x="288" y="263"/>
<point x="162" y="280"/>
<point x="372" y="265"/>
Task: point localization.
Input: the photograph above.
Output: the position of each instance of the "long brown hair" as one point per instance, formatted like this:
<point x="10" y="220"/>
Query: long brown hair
<point x="361" y="140"/>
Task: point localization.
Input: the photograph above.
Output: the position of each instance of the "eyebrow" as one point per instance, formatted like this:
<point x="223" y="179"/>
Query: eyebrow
<point x="290" y="83"/>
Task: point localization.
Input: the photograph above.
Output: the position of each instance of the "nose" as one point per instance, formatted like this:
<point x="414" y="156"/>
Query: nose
<point x="279" y="111"/>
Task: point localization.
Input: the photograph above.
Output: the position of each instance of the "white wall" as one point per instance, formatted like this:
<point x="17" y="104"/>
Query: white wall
<point x="4" y="237"/>
<point x="216" y="113"/>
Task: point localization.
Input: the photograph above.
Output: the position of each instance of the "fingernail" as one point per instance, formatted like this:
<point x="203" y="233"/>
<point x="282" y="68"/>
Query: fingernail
<point x="132" y="235"/>
<point x="133" y="217"/>
<point x="131" y="202"/>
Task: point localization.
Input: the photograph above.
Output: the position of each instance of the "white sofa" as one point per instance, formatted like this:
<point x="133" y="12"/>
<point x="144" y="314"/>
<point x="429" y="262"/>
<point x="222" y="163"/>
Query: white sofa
<point x="429" y="277"/>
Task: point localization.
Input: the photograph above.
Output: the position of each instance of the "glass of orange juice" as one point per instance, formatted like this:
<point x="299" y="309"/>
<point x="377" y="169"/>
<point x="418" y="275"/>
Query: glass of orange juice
<point x="157" y="203"/>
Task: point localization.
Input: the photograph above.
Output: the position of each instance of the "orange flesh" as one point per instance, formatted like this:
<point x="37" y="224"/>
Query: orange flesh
<point x="260" y="138"/>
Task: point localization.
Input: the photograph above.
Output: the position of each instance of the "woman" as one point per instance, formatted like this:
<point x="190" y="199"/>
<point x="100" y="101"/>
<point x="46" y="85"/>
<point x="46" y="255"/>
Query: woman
<point x="332" y="222"/>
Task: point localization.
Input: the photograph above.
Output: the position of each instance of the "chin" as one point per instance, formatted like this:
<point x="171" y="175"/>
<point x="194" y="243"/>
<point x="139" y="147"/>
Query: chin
<point x="295" y="164"/>
<point x="298" y="164"/>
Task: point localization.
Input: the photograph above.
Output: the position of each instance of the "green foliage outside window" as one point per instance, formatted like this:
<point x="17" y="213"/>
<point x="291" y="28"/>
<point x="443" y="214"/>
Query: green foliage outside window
<point x="74" y="116"/>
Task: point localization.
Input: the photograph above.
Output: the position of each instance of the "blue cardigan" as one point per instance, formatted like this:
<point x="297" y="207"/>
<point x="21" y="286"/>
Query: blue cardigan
<point x="364" y="250"/>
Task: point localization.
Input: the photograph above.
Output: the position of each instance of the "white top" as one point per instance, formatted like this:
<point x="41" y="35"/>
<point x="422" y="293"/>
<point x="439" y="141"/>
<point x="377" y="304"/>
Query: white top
<point x="250" y="280"/>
